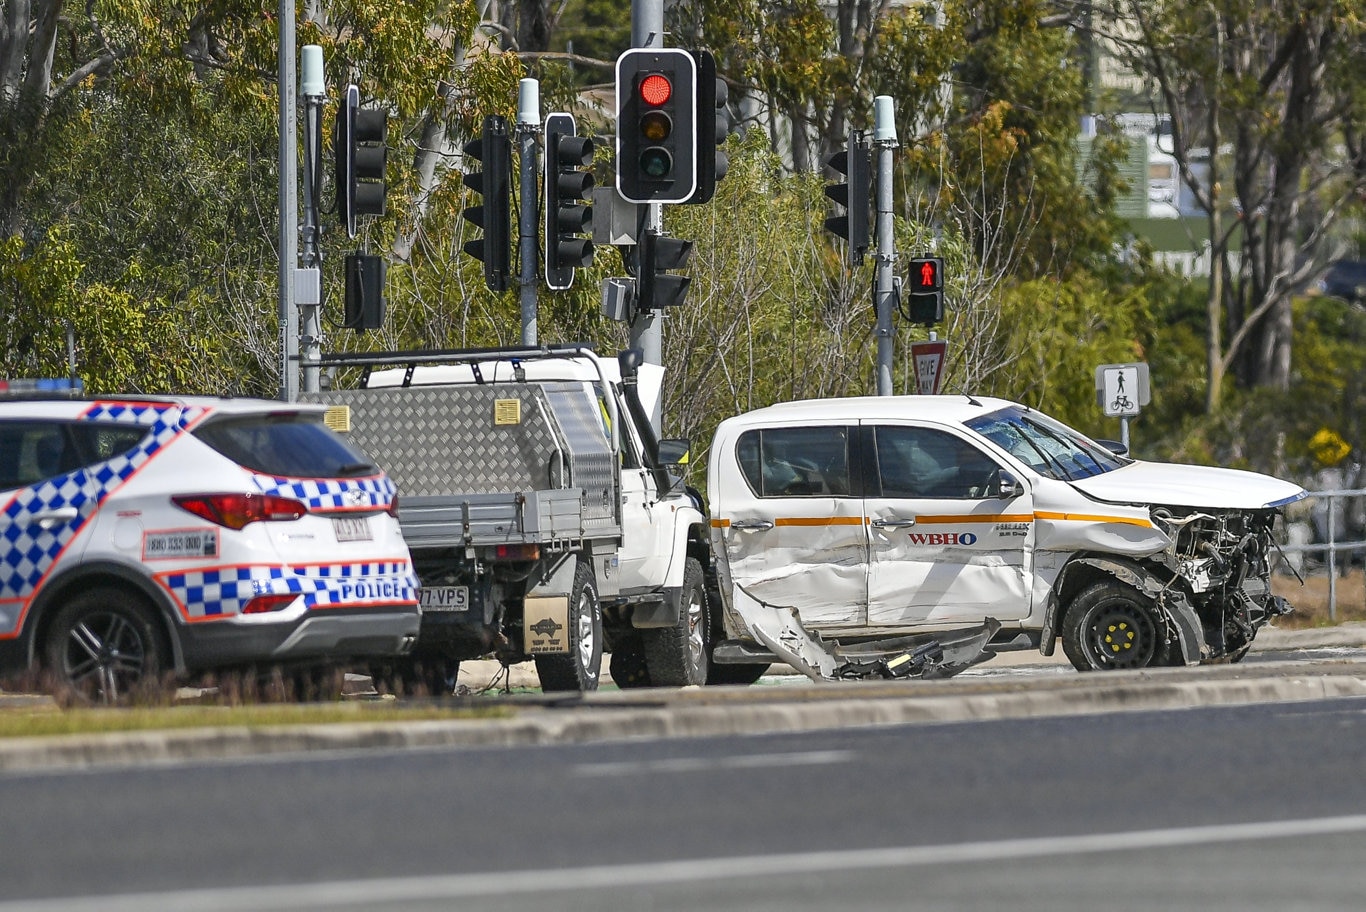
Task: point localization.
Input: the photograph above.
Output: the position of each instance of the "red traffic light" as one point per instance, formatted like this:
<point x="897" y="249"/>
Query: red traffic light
<point x="655" y="89"/>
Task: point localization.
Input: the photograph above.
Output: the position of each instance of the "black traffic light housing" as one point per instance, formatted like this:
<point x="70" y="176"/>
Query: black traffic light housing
<point x="364" y="301"/>
<point x="656" y="125"/>
<point x="359" y="155"/>
<point x="925" y="302"/>
<point x="713" y="126"/>
<point x="658" y="289"/>
<point x="493" y="149"/>
<point x="855" y="162"/>
<point x="567" y="187"/>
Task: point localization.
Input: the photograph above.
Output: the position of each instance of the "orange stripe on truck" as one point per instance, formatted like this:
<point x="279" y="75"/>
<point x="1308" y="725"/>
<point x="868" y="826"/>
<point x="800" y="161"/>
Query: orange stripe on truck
<point x="1091" y="517"/>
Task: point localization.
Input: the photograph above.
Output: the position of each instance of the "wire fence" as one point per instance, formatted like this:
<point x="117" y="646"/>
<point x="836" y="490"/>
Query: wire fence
<point x="1326" y="532"/>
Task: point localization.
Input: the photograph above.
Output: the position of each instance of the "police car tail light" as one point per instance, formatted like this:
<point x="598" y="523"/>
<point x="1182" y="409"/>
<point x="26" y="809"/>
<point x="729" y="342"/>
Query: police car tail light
<point x="263" y="604"/>
<point x="237" y="511"/>
<point x="392" y="509"/>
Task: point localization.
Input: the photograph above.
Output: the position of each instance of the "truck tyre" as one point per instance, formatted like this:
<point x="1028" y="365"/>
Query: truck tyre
<point x="677" y="655"/>
<point x="628" y="664"/>
<point x="1110" y="626"/>
<point x="102" y="645"/>
<point x="579" y="669"/>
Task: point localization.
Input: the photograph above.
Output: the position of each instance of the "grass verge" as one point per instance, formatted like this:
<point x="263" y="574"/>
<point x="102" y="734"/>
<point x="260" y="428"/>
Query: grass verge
<point x="49" y="719"/>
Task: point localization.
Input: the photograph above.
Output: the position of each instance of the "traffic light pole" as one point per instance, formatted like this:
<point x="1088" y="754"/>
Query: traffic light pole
<point x="884" y="290"/>
<point x="289" y="213"/>
<point x="647" y="330"/>
<point x="528" y="128"/>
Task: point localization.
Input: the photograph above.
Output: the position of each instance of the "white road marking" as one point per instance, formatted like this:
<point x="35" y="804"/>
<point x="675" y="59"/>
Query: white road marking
<point x="707" y="764"/>
<point x="346" y="894"/>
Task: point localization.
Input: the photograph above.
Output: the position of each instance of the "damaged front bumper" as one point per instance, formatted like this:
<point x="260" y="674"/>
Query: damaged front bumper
<point x="936" y="655"/>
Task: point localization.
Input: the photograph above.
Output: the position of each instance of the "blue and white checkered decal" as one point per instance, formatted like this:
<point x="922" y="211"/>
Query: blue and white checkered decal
<point x="225" y="591"/>
<point x="327" y="495"/>
<point x="27" y="551"/>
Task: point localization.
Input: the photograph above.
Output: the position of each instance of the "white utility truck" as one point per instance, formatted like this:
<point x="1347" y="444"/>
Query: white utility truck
<point x="542" y="519"/>
<point x="918" y="535"/>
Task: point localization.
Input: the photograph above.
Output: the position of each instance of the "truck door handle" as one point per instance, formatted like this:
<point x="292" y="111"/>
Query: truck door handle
<point x="752" y="525"/>
<point x="50" y="518"/>
<point x="892" y="523"/>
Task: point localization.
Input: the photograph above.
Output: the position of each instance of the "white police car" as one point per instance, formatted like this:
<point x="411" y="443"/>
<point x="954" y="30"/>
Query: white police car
<point x="146" y="535"/>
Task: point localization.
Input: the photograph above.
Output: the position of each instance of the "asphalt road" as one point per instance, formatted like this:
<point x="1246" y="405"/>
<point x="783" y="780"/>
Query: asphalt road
<point x="1244" y="807"/>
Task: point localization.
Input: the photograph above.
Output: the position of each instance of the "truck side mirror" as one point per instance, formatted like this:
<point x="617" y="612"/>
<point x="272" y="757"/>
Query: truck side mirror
<point x="1008" y="487"/>
<point x="674" y="451"/>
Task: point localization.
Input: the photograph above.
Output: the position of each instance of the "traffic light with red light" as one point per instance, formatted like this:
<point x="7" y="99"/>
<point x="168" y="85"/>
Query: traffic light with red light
<point x="656" y="125"/>
<point x="925" y="303"/>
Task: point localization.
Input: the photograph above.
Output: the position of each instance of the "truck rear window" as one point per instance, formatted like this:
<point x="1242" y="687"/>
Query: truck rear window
<point x="795" y="461"/>
<point x="289" y="445"/>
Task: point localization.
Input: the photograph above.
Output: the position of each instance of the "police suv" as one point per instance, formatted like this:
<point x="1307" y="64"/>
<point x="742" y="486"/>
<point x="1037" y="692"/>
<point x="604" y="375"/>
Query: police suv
<point x="147" y="535"/>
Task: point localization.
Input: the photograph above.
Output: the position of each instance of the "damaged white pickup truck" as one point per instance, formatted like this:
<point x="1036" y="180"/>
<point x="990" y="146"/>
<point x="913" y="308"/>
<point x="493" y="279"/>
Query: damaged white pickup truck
<point x="919" y="535"/>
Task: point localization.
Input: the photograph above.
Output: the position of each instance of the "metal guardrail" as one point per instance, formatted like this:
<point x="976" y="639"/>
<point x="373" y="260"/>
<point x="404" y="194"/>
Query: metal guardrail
<point x="1324" y="527"/>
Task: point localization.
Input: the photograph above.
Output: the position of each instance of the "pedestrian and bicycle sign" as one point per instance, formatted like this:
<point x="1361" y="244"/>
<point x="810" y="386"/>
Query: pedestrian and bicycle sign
<point x="1122" y="389"/>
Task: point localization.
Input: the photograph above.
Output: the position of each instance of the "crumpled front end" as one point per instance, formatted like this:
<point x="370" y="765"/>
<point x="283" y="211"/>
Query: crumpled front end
<point x="1224" y="559"/>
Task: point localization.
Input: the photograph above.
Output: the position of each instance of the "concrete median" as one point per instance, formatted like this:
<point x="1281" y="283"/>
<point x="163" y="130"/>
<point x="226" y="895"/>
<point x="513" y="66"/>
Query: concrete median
<point x="532" y="718"/>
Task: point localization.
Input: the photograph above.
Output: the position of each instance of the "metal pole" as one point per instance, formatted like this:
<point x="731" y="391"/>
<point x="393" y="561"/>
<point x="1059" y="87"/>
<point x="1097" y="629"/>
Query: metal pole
<point x="528" y="128"/>
<point x="884" y="295"/>
<point x="289" y="209"/>
<point x="1332" y="559"/>
<point x="314" y="89"/>
<point x="647" y="327"/>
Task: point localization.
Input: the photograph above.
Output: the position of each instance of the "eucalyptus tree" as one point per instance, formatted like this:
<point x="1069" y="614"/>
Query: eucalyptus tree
<point x="1265" y="102"/>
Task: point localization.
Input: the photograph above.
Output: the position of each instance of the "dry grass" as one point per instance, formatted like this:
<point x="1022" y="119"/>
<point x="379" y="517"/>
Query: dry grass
<point x="50" y="719"/>
<point x="1311" y="600"/>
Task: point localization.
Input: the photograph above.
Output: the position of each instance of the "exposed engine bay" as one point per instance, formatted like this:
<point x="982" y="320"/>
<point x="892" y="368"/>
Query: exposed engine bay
<point x="1224" y="559"/>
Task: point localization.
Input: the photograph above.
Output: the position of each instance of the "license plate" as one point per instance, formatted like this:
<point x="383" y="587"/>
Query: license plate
<point x="351" y="528"/>
<point x="444" y="598"/>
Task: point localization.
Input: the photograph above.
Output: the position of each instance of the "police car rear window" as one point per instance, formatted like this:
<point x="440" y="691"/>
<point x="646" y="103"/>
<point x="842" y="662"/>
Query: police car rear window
<point x="287" y="445"/>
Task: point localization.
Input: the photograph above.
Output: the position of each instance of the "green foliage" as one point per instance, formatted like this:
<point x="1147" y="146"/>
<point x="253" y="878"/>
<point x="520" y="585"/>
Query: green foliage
<point x="139" y="208"/>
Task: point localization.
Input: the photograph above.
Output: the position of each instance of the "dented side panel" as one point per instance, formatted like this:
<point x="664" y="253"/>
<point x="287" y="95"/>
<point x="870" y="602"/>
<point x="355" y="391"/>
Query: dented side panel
<point x="960" y="560"/>
<point x="809" y="555"/>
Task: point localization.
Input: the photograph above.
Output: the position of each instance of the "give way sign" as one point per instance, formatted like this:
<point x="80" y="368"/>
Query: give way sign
<point x="928" y="358"/>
